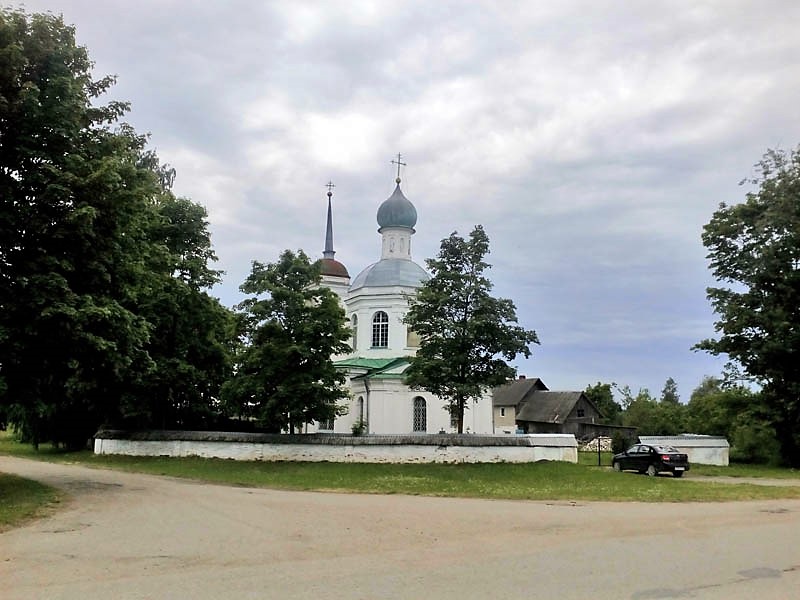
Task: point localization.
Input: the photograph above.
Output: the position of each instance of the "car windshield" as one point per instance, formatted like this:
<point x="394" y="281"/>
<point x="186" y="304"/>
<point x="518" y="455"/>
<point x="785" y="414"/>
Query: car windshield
<point x="667" y="449"/>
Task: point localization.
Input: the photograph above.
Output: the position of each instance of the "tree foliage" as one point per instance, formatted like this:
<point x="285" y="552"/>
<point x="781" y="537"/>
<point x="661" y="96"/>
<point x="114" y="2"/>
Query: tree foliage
<point x="754" y="252"/>
<point x="669" y="394"/>
<point x="650" y="416"/>
<point x="84" y="258"/>
<point x="291" y="328"/>
<point x="603" y="397"/>
<point x="192" y="334"/>
<point x="466" y="335"/>
<point x="735" y="413"/>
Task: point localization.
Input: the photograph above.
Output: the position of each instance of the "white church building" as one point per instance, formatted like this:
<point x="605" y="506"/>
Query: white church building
<point x="376" y="301"/>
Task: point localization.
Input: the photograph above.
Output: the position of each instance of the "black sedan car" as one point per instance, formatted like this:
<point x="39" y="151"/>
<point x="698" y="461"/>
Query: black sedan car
<point x="651" y="460"/>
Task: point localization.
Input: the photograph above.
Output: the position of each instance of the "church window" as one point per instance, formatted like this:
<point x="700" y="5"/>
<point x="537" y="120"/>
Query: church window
<point x="453" y="420"/>
<point x="354" y="327"/>
<point x="412" y="339"/>
<point x="420" y="415"/>
<point x="361" y="409"/>
<point x="380" y="330"/>
<point x="326" y="425"/>
<point x="502" y="412"/>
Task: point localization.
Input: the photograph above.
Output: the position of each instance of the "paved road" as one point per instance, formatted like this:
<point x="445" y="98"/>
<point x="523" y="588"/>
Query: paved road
<point x="138" y="536"/>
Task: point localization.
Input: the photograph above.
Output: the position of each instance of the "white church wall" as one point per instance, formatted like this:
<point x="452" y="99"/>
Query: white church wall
<point x="391" y="411"/>
<point x="394" y="303"/>
<point x="436" y="449"/>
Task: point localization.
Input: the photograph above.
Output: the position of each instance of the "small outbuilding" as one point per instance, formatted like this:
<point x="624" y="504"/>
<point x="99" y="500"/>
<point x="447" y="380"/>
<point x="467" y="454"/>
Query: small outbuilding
<point x="701" y="449"/>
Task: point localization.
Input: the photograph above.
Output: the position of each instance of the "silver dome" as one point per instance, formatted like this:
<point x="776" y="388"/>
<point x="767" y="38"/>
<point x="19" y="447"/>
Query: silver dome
<point x="390" y="272"/>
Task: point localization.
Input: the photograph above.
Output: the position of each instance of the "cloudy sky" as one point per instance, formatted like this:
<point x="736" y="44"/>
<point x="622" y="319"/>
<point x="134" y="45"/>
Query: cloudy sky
<point x="592" y="140"/>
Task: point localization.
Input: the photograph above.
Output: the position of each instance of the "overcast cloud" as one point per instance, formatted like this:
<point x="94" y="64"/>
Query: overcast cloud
<point x="591" y="139"/>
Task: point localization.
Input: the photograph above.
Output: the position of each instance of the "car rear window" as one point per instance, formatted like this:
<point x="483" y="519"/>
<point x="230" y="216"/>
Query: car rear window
<point x="667" y="449"/>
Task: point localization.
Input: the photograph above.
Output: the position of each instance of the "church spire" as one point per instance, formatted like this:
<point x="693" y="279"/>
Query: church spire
<point x="329" y="266"/>
<point x="329" y="252"/>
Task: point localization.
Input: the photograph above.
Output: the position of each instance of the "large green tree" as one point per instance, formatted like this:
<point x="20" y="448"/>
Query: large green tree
<point x="192" y="333"/>
<point x="466" y="335"/>
<point x="84" y="256"/>
<point x="291" y="328"/>
<point x="754" y="252"/>
<point x="73" y="220"/>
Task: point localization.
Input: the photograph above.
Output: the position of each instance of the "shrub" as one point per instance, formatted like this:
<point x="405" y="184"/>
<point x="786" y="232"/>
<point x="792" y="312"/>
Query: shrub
<point x="619" y="443"/>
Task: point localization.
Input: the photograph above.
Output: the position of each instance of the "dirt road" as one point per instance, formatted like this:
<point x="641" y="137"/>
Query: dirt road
<point x="138" y="536"/>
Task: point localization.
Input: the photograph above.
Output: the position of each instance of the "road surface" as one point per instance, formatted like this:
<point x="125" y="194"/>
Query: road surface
<point x="126" y="536"/>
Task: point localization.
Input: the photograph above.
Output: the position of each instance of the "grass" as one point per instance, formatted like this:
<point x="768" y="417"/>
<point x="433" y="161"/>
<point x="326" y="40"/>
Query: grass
<point x="22" y="500"/>
<point x="531" y="481"/>
<point x="589" y="459"/>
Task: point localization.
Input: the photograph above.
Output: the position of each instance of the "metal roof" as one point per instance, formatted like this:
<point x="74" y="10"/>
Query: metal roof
<point x="332" y="268"/>
<point x="391" y="272"/>
<point x="685" y="441"/>
<point x="397" y="211"/>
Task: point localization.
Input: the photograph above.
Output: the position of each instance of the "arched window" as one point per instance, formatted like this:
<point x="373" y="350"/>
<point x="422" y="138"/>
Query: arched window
<point x="380" y="330"/>
<point x="420" y="415"/>
<point x="361" y="409"/>
<point x="354" y="327"/>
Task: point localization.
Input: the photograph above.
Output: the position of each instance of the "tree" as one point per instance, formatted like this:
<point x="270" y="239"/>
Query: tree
<point x="465" y="334"/>
<point x="285" y="376"/>
<point x="754" y="252"/>
<point x="96" y="252"/>
<point x="603" y="397"/>
<point x="669" y="395"/>
<point x="192" y="333"/>
<point x="651" y="417"/>
<point x="74" y="212"/>
<point x="735" y="413"/>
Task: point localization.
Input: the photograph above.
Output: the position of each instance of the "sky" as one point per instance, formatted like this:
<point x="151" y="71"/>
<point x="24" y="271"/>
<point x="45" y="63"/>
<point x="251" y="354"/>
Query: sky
<point x="592" y="140"/>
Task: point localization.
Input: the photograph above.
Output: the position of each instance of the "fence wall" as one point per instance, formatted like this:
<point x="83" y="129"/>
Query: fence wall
<point x="341" y="448"/>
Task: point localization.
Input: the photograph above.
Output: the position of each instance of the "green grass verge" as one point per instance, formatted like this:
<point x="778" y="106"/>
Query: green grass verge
<point x="23" y="499"/>
<point x="530" y="481"/>
<point x="590" y="459"/>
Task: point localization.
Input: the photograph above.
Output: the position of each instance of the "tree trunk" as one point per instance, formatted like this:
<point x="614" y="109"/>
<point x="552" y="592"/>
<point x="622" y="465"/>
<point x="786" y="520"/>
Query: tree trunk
<point x="460" y="414"/>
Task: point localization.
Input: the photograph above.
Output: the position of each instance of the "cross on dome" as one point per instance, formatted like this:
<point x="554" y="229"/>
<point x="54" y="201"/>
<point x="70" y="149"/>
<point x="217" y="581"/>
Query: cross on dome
<point x="398" y="162"/>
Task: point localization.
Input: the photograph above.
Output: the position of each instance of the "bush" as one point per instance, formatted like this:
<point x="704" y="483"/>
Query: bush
<point x="755" y="443"/>
<point x="619" y="443"/>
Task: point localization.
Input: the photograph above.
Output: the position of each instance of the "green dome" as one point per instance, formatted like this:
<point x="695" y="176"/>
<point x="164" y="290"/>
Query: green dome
<point x="397" y="211"/>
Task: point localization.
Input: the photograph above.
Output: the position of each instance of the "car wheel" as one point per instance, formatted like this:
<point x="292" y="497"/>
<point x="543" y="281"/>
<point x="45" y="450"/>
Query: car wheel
<point x="677" y="473"/>
<point x="652" y="471"/>
<point x="617" y="467"/>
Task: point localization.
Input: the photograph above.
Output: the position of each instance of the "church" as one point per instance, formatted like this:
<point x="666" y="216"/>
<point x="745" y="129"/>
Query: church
<point x="375" y="302"/>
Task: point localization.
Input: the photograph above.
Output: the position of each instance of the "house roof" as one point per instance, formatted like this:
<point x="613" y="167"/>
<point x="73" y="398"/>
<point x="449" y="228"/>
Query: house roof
<point x="548" y="407"/>
<point x="686" y="441"/>
<point x="514" y="392"/>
